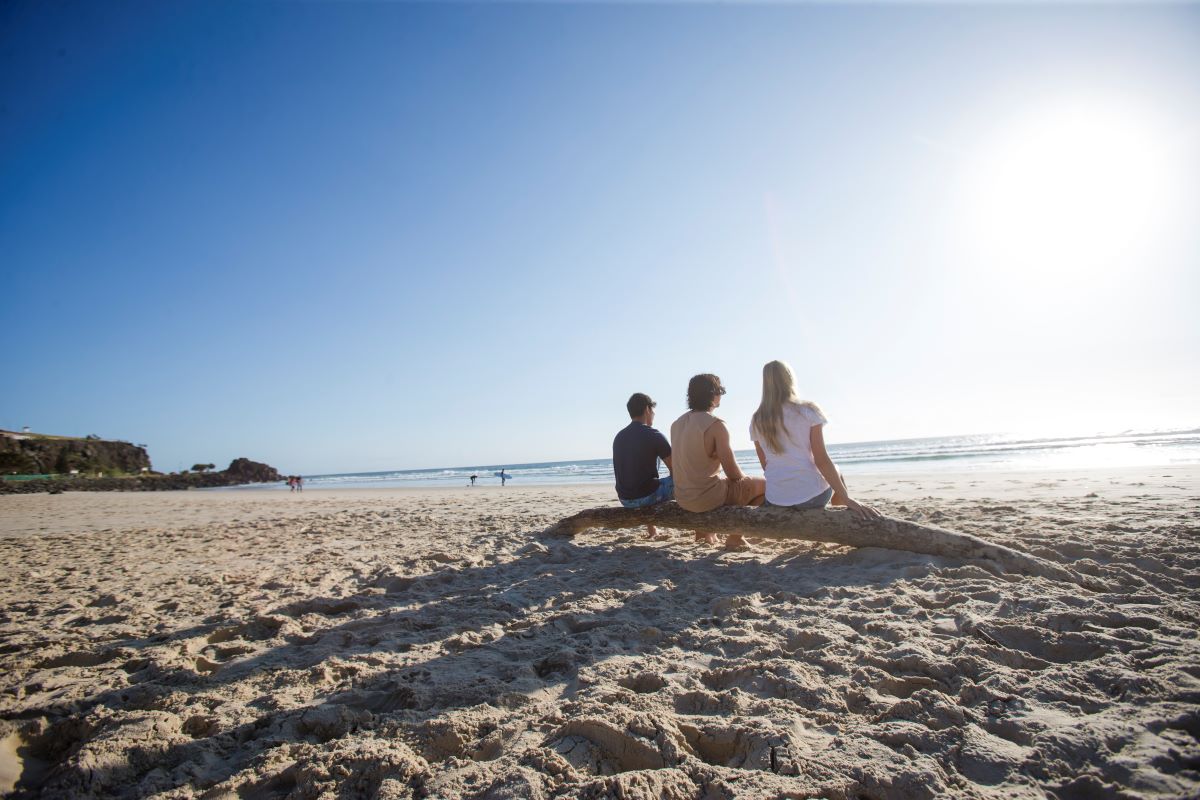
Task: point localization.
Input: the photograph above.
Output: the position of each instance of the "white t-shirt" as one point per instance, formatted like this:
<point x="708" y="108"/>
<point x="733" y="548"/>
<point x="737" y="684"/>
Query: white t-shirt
<point x="792" y="476"/>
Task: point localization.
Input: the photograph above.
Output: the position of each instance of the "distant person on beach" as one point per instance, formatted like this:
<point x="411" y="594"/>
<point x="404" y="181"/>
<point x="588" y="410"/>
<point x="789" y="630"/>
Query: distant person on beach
<point x="788" y="436"/>
<point x="700" y="450"/>
<point x="636" y="451"/>
<point x="292" y="482"/>
<point x="503" y="477"/>
<point x="473" y="477"/>
<point x="299" y="483"/>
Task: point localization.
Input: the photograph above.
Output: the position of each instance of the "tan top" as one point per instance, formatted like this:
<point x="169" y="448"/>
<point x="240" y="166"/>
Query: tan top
<point x="697" y="472"/>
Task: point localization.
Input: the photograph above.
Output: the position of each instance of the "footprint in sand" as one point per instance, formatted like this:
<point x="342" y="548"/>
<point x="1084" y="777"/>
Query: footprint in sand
<point x="324" y="606"/>
<point x="775" y="680"/>
<point x="1044" y="645"/>
<point x="901" y="686"/>
<point x="257" y="629"/>
<point x="231" y="642"/>
<point x="109" y="619"/>
<point x="598" y="747"/>
<point x="80" y="659"/>
<point x="394" y="694"/>
<point x="702" y="703"/>
<point x="643" y="682"/>
<point x="800" y="640"/>
<point x="743" y="747"/>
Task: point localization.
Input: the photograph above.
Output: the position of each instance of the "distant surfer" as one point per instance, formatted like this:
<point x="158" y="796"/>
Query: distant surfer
<point x="473" y="477"/>
<point x="503" y="477"/>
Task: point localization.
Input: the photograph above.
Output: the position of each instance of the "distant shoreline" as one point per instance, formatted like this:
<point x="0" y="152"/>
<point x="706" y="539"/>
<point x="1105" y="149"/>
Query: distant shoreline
<point x="946" y="455"/>
<point x="1181" y="479"/>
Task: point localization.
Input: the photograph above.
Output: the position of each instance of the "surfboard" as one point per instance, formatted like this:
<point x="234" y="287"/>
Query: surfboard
<point x="506" y="475"/>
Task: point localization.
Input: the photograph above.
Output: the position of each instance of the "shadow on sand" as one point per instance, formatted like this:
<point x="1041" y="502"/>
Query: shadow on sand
<point x="397" y="652"/>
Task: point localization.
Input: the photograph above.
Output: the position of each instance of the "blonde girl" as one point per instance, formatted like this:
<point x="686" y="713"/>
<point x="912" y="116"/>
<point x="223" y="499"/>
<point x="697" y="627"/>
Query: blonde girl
<point x="788" y="437"/>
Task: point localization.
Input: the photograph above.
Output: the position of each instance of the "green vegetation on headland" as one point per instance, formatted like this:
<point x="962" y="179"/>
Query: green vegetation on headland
<point x="39" y="454"/>
<point x="31" y="462"/>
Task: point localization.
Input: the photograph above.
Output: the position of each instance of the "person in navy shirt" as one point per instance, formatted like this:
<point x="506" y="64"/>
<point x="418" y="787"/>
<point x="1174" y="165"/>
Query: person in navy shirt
<point x="636" y="451"/>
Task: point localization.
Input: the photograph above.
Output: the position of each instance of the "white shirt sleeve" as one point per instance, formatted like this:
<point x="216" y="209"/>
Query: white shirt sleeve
<point x="814" y="416"/>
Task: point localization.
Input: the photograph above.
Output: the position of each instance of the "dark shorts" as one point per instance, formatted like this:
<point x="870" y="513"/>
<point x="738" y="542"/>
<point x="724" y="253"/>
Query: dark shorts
<point x="664" y="492"/>
<point x="820" y="501"/>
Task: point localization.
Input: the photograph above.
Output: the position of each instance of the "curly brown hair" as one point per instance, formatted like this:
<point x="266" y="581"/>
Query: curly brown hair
<point x="703" y="391"/>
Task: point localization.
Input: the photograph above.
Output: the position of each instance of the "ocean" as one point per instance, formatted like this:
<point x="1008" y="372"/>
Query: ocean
<point x="979" y="453"/>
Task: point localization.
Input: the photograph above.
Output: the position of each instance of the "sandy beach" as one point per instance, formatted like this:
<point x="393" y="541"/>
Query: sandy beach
<point x="435" y="643"/>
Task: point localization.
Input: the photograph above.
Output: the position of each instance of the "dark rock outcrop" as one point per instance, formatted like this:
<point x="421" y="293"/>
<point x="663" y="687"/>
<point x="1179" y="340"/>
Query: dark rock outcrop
<point x="31" y="453"/>
<point x="247" y="471"/>
<point x="240" y="471"/>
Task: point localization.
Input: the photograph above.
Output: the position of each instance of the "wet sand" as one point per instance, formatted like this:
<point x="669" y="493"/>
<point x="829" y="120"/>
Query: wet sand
<point x="433" y="643"/>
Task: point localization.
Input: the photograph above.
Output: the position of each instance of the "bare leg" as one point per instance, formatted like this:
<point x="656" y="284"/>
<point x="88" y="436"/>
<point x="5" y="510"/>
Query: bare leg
<point x="735" y="542"/>
<point x="651" y="531"/>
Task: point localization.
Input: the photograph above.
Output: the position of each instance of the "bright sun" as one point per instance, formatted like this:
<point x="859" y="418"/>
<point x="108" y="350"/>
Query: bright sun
<point x="1074" y="190"/>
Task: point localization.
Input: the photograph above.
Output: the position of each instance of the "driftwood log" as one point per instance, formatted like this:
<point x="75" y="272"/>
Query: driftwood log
<point x="832" y="525"/>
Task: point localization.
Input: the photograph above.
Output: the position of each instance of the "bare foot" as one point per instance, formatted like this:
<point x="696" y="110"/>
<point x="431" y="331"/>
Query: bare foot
<point x="651" y="531"/>
<point x="737" y="544"/>
<point x="706" y="538"/>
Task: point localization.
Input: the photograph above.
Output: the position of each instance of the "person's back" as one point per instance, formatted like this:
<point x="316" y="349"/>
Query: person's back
<point x="792" y="474"/>
<point x="695" y="465"/>
<point x="700" y="441"/>
<point x="636" y="450"/>
<point x="790" y="441"/>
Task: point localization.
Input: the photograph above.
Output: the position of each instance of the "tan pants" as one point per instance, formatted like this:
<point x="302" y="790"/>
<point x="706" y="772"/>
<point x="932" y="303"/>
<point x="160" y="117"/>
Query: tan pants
<point x="745" y="492"/>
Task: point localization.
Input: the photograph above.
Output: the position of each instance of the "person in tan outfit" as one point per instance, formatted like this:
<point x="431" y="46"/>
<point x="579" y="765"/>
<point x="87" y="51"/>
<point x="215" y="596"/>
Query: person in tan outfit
<point x="700" y="450"/>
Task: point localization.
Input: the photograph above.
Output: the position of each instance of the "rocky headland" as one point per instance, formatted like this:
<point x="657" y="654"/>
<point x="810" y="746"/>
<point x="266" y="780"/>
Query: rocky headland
<point x="91" y="464"/>
<point x="240" y="471"/>
<point x="38" y="454"/>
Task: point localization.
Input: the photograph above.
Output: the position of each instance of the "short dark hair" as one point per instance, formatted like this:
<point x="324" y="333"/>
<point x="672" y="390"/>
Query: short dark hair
<point x="703" y="391"/>
<point x="638" y="403"/>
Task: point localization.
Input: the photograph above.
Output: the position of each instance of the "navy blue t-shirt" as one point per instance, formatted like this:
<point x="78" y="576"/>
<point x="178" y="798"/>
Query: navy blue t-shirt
<point x="636" y="451"/>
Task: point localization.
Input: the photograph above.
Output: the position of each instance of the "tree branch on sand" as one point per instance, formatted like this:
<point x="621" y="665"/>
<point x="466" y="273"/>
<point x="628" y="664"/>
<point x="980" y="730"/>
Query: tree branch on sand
<point x="832" y="525"/>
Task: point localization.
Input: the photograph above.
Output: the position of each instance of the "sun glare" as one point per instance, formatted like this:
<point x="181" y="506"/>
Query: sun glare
<point x="1071" y="191"/>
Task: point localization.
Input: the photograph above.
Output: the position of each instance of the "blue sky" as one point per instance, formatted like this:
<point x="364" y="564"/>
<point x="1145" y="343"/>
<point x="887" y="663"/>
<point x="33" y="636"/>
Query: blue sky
<point x="359" y="236"/>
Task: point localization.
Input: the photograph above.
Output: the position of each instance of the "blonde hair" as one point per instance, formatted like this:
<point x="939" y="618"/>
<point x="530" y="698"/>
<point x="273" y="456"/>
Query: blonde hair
<point x="779" y="390"/>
